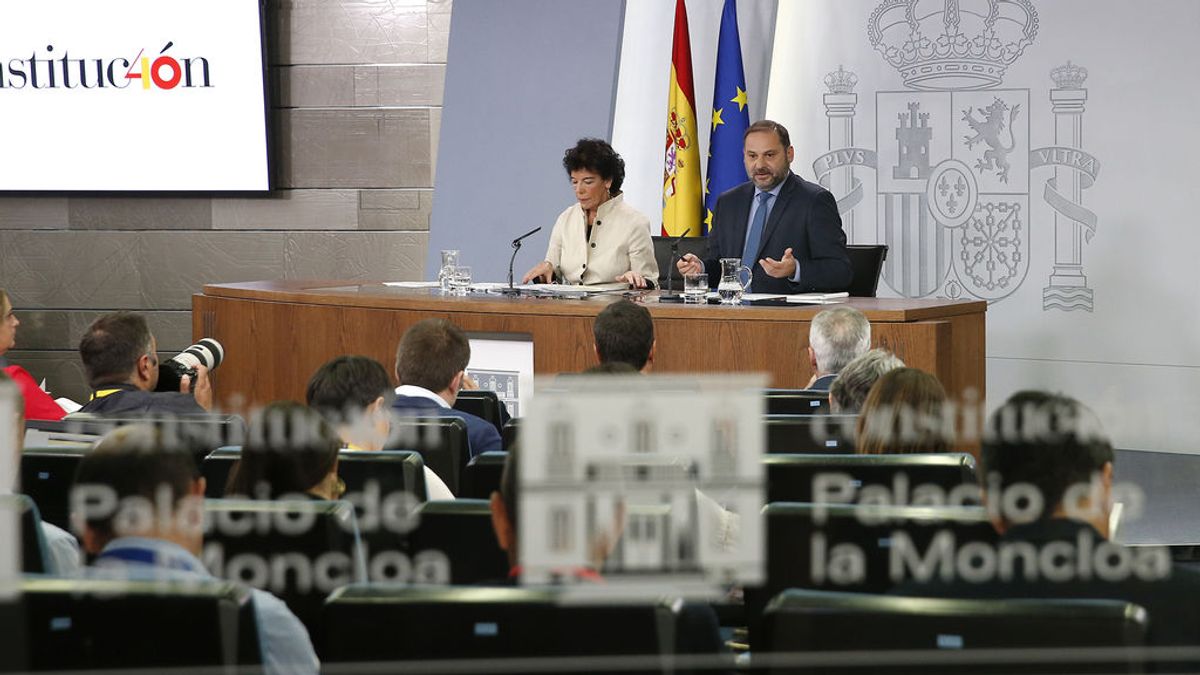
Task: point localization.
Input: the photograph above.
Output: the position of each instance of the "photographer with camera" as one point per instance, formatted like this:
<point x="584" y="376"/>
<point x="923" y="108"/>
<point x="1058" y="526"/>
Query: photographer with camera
<point x="122" y="366"/>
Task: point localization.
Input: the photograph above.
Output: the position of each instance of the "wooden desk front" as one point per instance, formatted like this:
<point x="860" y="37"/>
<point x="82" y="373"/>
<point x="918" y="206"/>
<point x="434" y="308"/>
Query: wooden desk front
<point x="277" y="333"/>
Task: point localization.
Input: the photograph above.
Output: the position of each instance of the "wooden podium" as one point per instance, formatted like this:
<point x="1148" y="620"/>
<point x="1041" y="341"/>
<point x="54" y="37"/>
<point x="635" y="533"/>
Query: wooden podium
<point x="277" y="333"/>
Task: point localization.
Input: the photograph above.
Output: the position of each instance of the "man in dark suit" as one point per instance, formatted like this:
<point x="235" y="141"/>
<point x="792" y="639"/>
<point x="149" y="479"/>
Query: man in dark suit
<point x="431" y="365"/>
<point x="786" y="229"/>
<point x="1054" y="445"/>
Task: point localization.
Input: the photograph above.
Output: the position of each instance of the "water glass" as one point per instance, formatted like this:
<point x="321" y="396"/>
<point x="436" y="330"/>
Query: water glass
<point x="449" y="261"/>
<point x="695" y="288"/>
<point x="460" y="279"/>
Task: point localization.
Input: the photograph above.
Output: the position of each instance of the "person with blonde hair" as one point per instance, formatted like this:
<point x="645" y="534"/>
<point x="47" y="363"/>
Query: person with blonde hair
<point x="38" y="404"/>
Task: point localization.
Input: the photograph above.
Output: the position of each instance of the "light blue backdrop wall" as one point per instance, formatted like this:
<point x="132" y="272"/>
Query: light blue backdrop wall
<point x="525" y="79"/>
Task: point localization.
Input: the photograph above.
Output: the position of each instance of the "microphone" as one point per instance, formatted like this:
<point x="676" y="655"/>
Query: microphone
<point x="670" y="295"/>
<point x="516" y="244"/>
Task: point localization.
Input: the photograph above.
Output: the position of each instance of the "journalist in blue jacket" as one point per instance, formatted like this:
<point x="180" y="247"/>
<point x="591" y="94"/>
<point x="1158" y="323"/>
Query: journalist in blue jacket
<point x="431" y="364"/>
<point x="786" y="229"/>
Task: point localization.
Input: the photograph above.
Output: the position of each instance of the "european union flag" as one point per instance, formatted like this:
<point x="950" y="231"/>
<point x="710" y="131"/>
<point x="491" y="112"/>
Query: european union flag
<point x="730" y="116"/>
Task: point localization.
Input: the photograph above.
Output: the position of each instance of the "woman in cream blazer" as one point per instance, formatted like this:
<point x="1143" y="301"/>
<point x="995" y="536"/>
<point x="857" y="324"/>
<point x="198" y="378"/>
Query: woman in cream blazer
<point x="600" y="239"/>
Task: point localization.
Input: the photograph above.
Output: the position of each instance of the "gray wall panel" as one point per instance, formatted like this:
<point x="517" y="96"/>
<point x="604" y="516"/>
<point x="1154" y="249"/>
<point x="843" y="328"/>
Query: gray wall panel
<point x="395" y="209"/>
<point x="390" y="256"/>
<point x="61" y="329"/>
<point x="518" y="103"/>
<point x="353" y="31"/>
<point x="170" y="274"/>
<point x="366" y="148"/>
<point x="70" y="269"/>
<point x="288" y="210"/>
<point x="315" y="86"/>
<point x="140" y="213"/>
<point x="399" y="85"/>
<point x="33" y="213"/>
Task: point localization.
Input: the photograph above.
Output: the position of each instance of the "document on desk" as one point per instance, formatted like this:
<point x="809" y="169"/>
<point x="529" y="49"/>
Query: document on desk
<point x="800" y="298"/>
<point x="818" y="298"/>
<point x="575" y="291"/>
<point x="412" y="284"/>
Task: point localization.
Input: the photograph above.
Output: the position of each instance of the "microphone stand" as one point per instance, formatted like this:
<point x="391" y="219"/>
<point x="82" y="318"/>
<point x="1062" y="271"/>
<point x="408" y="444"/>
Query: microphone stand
<point x="516" y="245"/>
<point x="671" y="295"/>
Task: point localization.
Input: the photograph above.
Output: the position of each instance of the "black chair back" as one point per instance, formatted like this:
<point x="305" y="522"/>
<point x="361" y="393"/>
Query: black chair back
<point x="481" y="403"/>
<point x="810" y="434"/>
<point x="35" y="555"/>
<point x="801" y="537"/>
<point x="392" y="622"/>
<point x="462" y="530"/>
<point x="200" y="434"/>
<point x="508" y="435"/>
<point x="482" y="476"/>
<point x="814" y="621"/>
<point x="293" y="538"/>
<point x="694" y="244"/>
<point x="391" y="471"/>
<point x="797" y="402"/>
<point x="47" y="475"/>
<point x="441" y="441"/>
<point x="121" y="625"/>
<point x="866" y="264"/>
<point x="790" y="478"/>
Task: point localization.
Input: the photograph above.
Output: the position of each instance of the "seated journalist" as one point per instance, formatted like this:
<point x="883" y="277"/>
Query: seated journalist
<point x="38" y="404"/>
<point x="431" y="366"/>
<point x="354" y="396"/>
<point x="290" y="453"/>
<point x="784" y="228"/>
<point x="131" y="543"/>
<point x="1056" y="446"/>
<point x="601" y="239"/>
<point x="120" y="358"/>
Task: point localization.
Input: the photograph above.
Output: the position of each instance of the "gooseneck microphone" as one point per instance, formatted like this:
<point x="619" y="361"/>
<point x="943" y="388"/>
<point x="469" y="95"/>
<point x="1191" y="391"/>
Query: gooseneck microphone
<point x="516" y="244"/>
<point x="670" y="295"/>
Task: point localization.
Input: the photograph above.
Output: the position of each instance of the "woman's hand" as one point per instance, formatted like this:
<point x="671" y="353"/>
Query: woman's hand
<point x="633" y="279"/>
<point x="542" y="272"/>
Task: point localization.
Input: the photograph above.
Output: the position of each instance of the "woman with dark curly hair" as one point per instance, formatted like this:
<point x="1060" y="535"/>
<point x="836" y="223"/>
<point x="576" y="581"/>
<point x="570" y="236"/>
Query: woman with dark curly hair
<point x="601" y="239"/>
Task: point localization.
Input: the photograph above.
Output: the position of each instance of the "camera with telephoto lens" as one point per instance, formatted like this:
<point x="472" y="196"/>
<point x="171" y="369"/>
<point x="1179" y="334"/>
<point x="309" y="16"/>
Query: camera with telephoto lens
<point x="207" y="352"/>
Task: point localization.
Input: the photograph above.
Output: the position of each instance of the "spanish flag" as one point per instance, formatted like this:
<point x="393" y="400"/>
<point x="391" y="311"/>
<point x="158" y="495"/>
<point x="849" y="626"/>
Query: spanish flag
<point x="682" y="195"/>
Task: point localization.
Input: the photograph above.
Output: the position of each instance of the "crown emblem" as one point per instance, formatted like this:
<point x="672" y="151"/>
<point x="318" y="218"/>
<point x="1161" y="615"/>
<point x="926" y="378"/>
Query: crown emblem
<point x="841" y="81"/>
<point x="952" y="44"/>
<point x="1069" y="76"/>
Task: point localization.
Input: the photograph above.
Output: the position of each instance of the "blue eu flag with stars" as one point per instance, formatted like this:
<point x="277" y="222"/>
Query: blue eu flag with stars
<point x="730" y="116"/>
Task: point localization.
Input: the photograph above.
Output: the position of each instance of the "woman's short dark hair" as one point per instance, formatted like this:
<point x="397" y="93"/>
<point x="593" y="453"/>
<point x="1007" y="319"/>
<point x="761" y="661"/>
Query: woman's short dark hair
<point x="290" y="450"/>
<point x="597" y="156"/>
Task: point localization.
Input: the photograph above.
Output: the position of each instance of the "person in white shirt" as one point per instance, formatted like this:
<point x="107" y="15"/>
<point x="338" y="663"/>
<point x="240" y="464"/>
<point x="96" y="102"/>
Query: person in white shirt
<point x="132" y="465"/>
<point x="352" y="393"/>
<point x="600" y="239"/>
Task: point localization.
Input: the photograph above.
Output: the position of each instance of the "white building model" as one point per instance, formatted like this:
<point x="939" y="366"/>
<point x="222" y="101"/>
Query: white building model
<point x="656" y="482"/>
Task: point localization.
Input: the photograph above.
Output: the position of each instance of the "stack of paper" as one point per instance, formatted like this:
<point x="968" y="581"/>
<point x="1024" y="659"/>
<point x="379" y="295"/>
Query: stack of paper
<point x="804" y="298"/>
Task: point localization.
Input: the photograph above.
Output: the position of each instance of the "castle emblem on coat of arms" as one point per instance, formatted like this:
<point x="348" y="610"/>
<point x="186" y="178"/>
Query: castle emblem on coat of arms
<point x="954" y="163"/>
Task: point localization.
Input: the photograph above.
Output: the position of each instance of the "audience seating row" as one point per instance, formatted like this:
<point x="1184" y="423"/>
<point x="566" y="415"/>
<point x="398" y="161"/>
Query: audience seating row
<point x="68" y="625"/>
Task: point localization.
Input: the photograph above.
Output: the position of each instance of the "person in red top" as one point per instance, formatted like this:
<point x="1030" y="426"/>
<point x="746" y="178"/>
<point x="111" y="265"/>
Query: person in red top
<point x="38" y="404"/>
